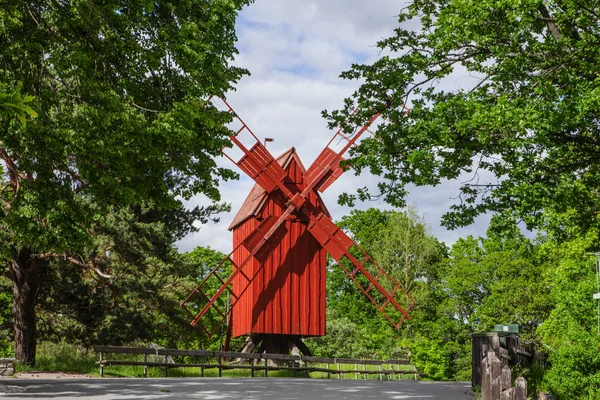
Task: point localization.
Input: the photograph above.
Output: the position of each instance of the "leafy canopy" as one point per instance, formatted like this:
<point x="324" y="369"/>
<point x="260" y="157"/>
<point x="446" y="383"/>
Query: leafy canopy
<point x="527" y="132"/>
<point x="117" y="88"/>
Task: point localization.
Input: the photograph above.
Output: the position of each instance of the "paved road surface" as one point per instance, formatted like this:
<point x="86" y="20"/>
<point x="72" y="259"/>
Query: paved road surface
<point x="224" y="388"/>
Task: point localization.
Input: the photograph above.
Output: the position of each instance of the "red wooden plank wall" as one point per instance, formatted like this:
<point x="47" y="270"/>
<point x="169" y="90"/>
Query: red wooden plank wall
<point x="288" y="294"/>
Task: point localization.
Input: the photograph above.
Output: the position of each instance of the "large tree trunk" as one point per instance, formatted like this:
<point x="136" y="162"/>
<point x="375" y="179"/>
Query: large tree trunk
<point x="25" y="272"/>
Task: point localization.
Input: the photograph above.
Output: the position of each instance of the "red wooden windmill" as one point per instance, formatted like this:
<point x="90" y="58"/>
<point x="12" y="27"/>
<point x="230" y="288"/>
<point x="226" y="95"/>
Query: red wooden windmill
<point x="276" y="285"/>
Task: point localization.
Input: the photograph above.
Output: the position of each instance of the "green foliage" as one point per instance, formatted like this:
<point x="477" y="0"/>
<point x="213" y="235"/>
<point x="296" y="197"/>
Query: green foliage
<point x="439" y="343"/>
<point x="570" y="332"/>
<point x="62" y="356"/>
<point x="6" y="320"/>
<point x="15" y="105"/>
<point x="498" y="279"/>
<point x="120" y="120"/>
<point x="344" y="339"/>
<point x="430" y="357"/>
<point x="122" y="123"/>
<point x="204" y="260"/>
<point x="135" y="300"/>
<point x="528" y="119"/>
<point x="406" y="249"/>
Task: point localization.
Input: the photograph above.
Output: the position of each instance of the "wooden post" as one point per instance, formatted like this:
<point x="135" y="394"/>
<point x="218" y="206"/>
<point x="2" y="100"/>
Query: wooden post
<point x="486" y="382"/>
<point x="380" y="375"/>
<point x="166" y="368"/>
<point x="145" y="365"/>
<point x="505" y="379"/>
<point x="266" y="370"/>
<point x="496" y="373"/>
<point x="101" y="366"/>
<point x="339" y="369"/>
<point x="495" y="381"/>
<point x="521" y="389"/>
<point x="220" y="367"/>
<point x="328" y="372"/>
<point x="364" y="369"/>
<point x="252" y="369"/>
<point x="355" y="369"/>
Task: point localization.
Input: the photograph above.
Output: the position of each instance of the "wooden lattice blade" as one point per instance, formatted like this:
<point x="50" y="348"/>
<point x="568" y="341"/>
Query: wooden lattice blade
<point x="261" y="166"/>
<point x="326" y="168"/>
<point x="265" y="238"/>
<point x="383" y="291"/>
<point x="210" y="303"/>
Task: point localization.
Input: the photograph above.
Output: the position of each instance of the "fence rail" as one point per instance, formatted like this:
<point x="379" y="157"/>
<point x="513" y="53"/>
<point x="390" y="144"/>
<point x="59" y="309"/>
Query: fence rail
<point x="255" y="362"/>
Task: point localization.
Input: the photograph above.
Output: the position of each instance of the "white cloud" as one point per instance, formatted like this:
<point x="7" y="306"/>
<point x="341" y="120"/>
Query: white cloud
<point x="295" y="52"/>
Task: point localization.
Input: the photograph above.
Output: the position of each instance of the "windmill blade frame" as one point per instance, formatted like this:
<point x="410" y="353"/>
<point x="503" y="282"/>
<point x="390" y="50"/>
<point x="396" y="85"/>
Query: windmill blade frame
<point x="258" y="163"/>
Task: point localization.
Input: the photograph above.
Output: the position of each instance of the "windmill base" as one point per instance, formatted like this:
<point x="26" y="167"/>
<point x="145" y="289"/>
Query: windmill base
<point x="276" y="344"/>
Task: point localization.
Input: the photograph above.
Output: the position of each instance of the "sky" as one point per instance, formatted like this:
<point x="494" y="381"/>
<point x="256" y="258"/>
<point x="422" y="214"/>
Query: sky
<point x="295" y="52"/>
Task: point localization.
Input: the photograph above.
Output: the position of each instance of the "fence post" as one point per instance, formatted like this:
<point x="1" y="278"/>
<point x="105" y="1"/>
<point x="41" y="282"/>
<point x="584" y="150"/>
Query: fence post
<point x="220" y="367"/>
<point x="166" y="368"/>
<point x="145" y="365"/>
<point x="521" y="389"/>
<point x="252" y="369"/>
<point x="101" y="366"/>
<point x="495" y="381"/>
<point x="505" y="378"/>
<point x="266" y="370"/>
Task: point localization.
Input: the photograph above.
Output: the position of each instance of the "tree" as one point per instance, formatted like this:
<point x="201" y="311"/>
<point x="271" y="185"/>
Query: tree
<point x="135" y="300"/>
<point x="406" y="250"/>
<point x="498" y="279"/>
<point x="118" y="89"/>
<point x="526" y="133"/>
<point x="570" y="333"/>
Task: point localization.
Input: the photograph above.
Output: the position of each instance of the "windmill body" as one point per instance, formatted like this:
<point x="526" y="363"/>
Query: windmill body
<point x="282" y="233"/>
<point x="287" y="297"/>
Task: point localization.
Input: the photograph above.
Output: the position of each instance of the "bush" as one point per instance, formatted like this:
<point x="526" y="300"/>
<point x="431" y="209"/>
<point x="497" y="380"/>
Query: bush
<point x="6" y="323"/>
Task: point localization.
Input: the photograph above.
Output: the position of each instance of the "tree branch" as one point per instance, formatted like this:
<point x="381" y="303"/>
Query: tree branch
<point x="550" y="22"/>
<point x="75" y="261"/>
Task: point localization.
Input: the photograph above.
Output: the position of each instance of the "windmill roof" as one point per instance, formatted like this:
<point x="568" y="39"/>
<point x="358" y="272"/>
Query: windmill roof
<point x="258" y="197"/>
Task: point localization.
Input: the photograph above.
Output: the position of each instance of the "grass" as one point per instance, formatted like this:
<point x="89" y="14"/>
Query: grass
<point x="65" y="357"/>
<point x="62" y="357"/>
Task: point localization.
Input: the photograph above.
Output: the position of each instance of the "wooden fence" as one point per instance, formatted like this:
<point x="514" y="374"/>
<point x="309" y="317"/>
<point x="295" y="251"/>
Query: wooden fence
<point x="7" y="366"/>
<point x="496" y="381"/>
<point x="509" y="349"/>
<point x="255" y="362"/>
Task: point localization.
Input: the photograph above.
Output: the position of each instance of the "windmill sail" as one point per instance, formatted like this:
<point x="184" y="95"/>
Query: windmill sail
<point x="296" y="201"/>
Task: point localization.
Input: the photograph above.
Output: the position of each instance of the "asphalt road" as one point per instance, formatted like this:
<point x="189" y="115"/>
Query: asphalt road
<point x="224" y="388"/>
